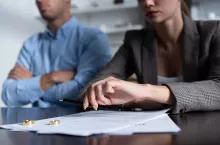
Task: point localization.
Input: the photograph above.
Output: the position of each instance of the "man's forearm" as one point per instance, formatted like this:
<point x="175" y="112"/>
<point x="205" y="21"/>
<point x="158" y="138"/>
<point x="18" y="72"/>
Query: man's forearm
<point x="21" y="92"/>
<point x="48" y="80"/>
<point x="68" y="90"/>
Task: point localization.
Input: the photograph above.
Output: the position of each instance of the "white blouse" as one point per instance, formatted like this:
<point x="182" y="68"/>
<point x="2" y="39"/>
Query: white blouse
<point x="166" y="80"/>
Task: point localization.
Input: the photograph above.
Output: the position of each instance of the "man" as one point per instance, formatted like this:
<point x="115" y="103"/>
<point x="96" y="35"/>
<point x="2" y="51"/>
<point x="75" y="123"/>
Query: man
<point x="58" y="63"/>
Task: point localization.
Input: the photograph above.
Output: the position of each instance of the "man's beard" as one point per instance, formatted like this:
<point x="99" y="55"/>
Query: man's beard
<point x="48" y="18"/>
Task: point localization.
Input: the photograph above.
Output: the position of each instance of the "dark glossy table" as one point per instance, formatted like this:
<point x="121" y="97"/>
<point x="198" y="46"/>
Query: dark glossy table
<point x="202" y="128"/>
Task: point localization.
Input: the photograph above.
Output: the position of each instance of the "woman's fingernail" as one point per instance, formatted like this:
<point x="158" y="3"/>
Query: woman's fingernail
<point x="84" y="106"/>
<point x="95" y="107"/>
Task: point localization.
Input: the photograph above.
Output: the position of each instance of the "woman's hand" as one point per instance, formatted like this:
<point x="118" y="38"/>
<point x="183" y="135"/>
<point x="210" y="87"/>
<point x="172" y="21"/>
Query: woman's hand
<point x="112" y="91"/>
<point x="145" y="104"/>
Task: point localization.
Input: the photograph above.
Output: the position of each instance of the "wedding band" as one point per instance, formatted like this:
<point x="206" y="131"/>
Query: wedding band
<point x="55" y="122"/>
<point x="28" y="122"/>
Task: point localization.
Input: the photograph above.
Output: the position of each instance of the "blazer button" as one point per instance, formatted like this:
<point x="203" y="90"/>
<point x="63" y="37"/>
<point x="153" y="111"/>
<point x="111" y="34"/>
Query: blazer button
<point x="182" y="110"/>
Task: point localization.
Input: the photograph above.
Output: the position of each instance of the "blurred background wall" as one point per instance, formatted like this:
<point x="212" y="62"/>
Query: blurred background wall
<point x="19" y="19"/>
<point x="17" y="23"/>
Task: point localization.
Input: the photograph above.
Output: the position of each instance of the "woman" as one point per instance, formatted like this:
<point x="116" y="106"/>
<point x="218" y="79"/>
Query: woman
<point x="177" y="63"/>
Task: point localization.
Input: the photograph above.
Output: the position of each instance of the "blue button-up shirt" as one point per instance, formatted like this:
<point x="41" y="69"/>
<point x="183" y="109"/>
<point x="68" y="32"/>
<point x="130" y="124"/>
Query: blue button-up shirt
<point x="74" y="47"/>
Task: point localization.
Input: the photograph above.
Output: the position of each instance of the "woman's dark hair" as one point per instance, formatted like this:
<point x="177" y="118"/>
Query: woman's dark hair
<point x="185" y="8"/>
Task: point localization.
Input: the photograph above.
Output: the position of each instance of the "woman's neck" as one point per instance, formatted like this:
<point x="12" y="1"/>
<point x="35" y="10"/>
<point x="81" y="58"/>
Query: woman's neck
<point x="169" y="32"/>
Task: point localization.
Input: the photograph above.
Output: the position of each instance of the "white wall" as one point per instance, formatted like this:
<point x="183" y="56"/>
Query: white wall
<point x="206" y="10"/>
<point x="17" y="23"/>
<point x="107" y="18"/>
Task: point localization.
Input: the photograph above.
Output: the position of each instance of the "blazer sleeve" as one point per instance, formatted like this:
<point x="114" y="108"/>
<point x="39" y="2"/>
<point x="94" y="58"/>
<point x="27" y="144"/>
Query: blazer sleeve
<point x="121" y="65"/>
<point x="201" y="95"/>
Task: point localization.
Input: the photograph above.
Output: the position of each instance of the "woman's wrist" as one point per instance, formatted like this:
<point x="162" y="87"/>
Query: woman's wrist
<point x="161" y="94"/>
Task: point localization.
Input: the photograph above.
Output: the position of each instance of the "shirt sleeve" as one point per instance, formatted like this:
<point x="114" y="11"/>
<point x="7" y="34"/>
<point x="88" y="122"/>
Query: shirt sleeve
<point x="22" y="92"/>
<point x="94" y="57"/>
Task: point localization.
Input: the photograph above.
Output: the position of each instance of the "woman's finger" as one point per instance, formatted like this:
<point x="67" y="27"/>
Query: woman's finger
<point x="103" y="81"/>
<point x="100" y="96"/>
<point x="108" y="86"/>
<point x="85" y="102"/>
<point x="92" y="98"/>
<point x="91" y="94"/>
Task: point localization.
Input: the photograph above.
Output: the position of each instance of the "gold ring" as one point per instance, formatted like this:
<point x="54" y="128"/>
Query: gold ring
<point x="28" y="122"/>
<point x="55" y="122"/>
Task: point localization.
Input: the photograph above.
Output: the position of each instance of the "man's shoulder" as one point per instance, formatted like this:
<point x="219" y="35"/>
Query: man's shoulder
<point x="90" y="31"/>
<point x="31" y="43"/>
<point x="34" y="38"/>
<point x="88" y="34"/>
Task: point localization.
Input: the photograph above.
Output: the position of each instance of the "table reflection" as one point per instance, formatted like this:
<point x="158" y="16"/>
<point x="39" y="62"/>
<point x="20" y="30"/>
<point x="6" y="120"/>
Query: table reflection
<point x="199" y="128"/>
<point x="17" y="115"/>
<point x="138" y="139"/>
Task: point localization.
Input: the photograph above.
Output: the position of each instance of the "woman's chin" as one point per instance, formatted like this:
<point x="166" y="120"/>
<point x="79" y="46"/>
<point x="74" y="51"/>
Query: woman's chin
<point x="155" y="20"/>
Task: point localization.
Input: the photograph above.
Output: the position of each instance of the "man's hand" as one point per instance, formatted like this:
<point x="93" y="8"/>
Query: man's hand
<point x="62" y="76"/>
<point x="20" y="73"/>
<point x="49" y="80"/>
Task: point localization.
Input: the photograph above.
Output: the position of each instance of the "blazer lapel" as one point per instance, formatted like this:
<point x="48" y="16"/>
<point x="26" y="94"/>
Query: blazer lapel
<point x="149" y="63"/>
<point x="191" y="44"/>
<point x="190" y="47"/>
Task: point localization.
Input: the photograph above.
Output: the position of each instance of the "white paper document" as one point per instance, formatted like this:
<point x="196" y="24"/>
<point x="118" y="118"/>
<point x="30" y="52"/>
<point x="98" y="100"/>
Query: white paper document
<point x="160" y="124"/>
<point x="99" y="122"/>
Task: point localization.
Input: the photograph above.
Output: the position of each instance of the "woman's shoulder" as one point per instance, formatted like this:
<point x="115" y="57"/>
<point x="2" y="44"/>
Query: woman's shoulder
<point x="208" y="27"/>
<point x="205" y="23"/>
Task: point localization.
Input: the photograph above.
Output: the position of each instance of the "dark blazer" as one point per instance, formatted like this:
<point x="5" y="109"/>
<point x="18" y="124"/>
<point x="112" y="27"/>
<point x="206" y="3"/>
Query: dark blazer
<point x="201" y="64"/>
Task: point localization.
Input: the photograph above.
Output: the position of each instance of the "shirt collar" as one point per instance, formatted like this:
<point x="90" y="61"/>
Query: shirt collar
<point x="64" y="30"/>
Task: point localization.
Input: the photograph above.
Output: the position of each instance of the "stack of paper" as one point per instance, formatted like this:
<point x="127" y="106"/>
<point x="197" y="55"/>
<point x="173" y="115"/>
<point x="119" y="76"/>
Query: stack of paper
<point x="99" y="122"/>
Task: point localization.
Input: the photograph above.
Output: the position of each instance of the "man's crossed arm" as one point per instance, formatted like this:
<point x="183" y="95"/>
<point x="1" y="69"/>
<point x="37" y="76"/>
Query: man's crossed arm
<point x="46" y="81"/>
